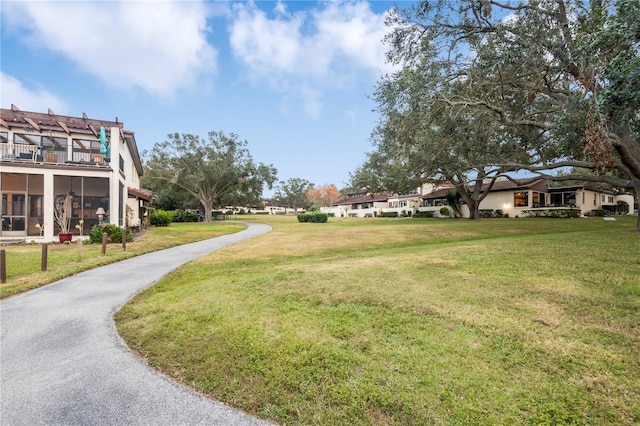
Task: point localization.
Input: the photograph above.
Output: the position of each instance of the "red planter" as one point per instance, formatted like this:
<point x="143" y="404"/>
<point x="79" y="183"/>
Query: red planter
<point x="65" y="237"/>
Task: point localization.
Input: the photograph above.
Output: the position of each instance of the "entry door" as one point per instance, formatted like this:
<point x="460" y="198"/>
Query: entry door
<point x="14" y="217"/>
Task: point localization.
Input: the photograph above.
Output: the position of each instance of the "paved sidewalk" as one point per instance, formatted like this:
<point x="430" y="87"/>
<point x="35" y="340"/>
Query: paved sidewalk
<point x="63" y="363"/>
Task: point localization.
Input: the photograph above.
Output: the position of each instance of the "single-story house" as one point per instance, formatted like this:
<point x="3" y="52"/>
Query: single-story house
<point x="49" y="162"/>
<point x="523" y="197"/>
<point x="359" y="205"/>
<point x="517" y="198"/>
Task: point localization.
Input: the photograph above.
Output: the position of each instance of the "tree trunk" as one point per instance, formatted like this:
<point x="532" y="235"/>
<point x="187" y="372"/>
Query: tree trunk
<point x="636" y="187"/>
<point x="208" y="208"/>
<point x="474" y="208"/>
<point x="628" y="150"/>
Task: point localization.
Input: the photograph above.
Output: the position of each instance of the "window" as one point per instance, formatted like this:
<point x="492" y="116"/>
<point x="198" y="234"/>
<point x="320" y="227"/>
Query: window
<point x="25" y="139"/>
<point x="539" y="199"/>
<point x="85" y="151"/>
<point x="121" y="164"/>
<point x="595" y="197"/>
<point x="610" y="199"/>
<point x="54" y="144"/>
<point x="433" y="202"/>
<point x="602" y="198"/>
<point x="35" y="206"/>
<point x="4" y="137"/>
<point x="521" y="199"/>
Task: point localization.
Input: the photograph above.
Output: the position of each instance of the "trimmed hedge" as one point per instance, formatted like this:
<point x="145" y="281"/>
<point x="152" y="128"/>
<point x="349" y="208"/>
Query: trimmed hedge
<point x="563" y="212"/>
<point x="420" y="214"/>
<point x="389" y="214"/>
<point x="488" y="213"/>
<point x="313" y="217"/>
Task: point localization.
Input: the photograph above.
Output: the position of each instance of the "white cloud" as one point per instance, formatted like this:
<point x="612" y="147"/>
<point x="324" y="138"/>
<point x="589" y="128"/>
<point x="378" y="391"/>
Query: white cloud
<point x="280" y="8"/>
<point x="159" y="47"/>
<point x="267" y="46"/>
<point x="355" y="32"/>
<point x="38" y="99"/>
<point x="300" y="52"/>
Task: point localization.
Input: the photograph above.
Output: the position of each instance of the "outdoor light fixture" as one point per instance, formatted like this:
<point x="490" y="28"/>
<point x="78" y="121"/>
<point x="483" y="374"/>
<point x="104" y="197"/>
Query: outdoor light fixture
<point x="100" y="212"/>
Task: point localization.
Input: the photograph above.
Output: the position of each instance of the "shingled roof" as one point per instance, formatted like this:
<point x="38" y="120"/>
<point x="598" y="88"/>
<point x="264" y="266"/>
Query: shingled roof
<point x="363" y="198"/>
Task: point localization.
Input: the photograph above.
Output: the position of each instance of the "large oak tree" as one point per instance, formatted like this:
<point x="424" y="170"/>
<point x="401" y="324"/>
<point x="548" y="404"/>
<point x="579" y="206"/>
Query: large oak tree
<point x="212" y="171"/>
<point x="559" y="78"/>
<point x="292" y="193"/>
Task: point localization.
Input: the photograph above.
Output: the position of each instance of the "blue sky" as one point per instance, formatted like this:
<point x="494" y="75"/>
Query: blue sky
<point x="293" y="78"/>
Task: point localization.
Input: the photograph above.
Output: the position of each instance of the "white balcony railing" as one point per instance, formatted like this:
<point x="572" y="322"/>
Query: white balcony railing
<point x="13" y="151"/>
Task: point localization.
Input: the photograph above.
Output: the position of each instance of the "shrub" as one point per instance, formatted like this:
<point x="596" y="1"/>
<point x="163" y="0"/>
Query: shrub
<point x="389" y="214"/>
<point x="488" y="213"/>
<point x="444" y="211"/>
<point x="554" y="213"/>
<point x="186" y="216"/>
<point x="313" y="217"/>
<point x="160" y="218"/>
<point x="424" y="214"/>
<point x="114" y="233"/>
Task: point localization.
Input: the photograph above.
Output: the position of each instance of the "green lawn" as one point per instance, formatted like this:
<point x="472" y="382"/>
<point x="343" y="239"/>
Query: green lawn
<point x="24" y="261"/>
<point x="407" y="321"/>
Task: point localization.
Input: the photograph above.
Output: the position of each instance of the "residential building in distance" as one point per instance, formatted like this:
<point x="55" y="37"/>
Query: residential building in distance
<point x="512" y="197"/>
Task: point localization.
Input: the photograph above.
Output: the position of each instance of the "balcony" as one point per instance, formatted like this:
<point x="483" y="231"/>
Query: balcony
<point x="78" y="155"/>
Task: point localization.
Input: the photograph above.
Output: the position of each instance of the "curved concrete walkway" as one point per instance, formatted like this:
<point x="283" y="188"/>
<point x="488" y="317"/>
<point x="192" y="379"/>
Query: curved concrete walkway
<point x="63" y="363"/>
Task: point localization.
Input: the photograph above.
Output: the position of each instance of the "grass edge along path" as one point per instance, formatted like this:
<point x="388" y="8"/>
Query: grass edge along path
<point x="531" y="321"/>
<point x="23" y="261"/>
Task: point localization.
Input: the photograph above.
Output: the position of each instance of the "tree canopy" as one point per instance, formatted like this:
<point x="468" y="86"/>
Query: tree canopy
<point x="323" y="195"/>
<point x="490" y="87"/>
<point x="213" y="172"/>
<point x="292" y="193"/>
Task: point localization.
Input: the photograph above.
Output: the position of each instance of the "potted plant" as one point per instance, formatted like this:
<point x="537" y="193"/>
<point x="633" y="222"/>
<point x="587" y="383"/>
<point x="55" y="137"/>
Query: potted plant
<point x="62" y="216"/>
<point x="50" y="154"/>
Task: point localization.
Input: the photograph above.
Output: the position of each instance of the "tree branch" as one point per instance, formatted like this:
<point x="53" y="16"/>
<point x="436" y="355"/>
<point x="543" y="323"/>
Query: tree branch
<point x="501" y="113"/>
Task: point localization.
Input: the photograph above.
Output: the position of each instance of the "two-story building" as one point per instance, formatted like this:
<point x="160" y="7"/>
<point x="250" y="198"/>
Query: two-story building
<point x="47" y="160"/>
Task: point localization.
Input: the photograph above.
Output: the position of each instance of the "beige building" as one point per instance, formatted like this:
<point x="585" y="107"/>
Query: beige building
<point x="516" y="198"/>
<point x="49" y="161"/>
<point x="524" y="197"/>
